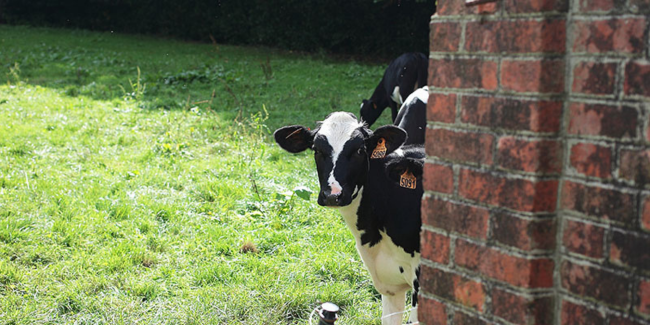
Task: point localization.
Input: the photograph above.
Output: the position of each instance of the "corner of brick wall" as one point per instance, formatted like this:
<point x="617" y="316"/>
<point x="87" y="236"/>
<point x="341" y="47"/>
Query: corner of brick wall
<point x="537" y="202"/>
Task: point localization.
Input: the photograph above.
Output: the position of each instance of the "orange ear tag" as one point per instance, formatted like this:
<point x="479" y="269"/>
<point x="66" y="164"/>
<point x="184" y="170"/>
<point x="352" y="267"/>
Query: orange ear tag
<point x="407" y="180"/>
<point x="380" y="149"/>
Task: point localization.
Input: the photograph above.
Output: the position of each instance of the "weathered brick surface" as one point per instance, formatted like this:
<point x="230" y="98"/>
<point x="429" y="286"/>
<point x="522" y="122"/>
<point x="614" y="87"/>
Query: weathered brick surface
<point x="643" y="294"/>
<point x="523" y="233"/>
<point x="533" y="196"/>
<point x="445" y="36"/>
<point x="635" y="166"/>
<point x="436" y="248"/>
<point x="439" y="178"/>
<point x="518" y="36"/>
<point x="535" y="6"/>
<point x="591" y="160"/>
<point x="456" y="217"/>
<point x="630" y="250"/>
<point x="598" y="5"/>
<point x="602" y="120"/>
<point x="609" y="35"/>
<point x="465" y="147"/>
<point x="598" y="202"/>
<point x="454" y="287"/>
<point x="431" y="311"/>
<point x="517" y="271"/>
<point x="637" y="78"/>
<point x="584" y="238"/>
<point x="594" y="78"/>
<point x="512" y="114"/>
<point x="538" y="76"/>
<point x="573" y="314"/>
<point x="441" y="108"/>
<point x="559" y="89"/>
<point x="534" y="156"/>
<point x="522" y="308"/>
<point x="595" y="283"/>
<point x="463" y="73"/>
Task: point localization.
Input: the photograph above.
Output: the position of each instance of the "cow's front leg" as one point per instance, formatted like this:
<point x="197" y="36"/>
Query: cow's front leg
<point x="413" y="319"/>
<point x="393" y="308"/>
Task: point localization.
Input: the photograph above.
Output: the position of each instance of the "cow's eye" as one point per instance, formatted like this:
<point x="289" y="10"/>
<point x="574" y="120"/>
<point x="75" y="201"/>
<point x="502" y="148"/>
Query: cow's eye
<point x="360" y="151"/>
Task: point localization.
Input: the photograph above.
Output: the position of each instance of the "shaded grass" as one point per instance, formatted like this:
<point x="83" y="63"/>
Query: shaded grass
<point x="126" y="198"/>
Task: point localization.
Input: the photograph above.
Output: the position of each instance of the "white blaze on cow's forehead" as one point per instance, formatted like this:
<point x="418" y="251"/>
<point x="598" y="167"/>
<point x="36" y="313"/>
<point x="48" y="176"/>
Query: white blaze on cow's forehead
<point x="338" y="129"/>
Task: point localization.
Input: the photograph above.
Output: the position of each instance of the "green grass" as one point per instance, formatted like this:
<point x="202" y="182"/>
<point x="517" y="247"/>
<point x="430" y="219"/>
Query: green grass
<point x="139" y="183"/>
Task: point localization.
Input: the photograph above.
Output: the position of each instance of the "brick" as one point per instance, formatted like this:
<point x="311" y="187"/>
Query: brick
<point x="463" y="73"/>
<point x="512" y="114"/>
<point x="535" y="6"/>
<point x="431" y="311"/>
<point x="637" y="79"/>
<point x="603" y="120"/>
<point x="522" y="233"/>
<point x="598" y="202"/>
<point x="522" y="308"/>
<point x="536" y="76"/>
<point x="583" y="238"/>
<point x="643" y="304"/>
<point x="452" y="286"/>
<point x="444" y="36"/>
<point x="441" y="108"/>
<point x="645" y="214"/>
<point x="465" y="147"/>
<point x="624" y="35"/>
<point x="533" y="196"/>
<point x="594" y="78"/>
<point x="455" y="217"/>
<point x="438" y="178"/>
<point x="635" y="166"/>
<point x="517" y="271"/>
<point x="598" y="5"/>
<point x="516" y="36"/>
<point x="435" y="247"/>
<point x="573" y="314"/>
<point x="453" y="7"/>
<point x="591" y="160"/>
<point x="595" y="283"/>
<point x="461" y="318"/>
<point x="630" y="250"/>
<point x="534" y="156"/>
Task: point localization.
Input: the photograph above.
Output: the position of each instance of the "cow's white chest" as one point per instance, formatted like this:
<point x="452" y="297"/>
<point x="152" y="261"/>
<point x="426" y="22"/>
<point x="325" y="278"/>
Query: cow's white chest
<point x="391" y="268"/>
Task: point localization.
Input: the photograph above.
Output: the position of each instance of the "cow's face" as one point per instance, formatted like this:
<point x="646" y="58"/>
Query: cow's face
<point x="369" y="111"/>
<point x="342" y="149"/>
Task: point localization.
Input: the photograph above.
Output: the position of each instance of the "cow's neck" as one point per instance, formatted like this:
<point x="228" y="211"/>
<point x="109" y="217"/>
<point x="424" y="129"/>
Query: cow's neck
<point x="349" y="213"/>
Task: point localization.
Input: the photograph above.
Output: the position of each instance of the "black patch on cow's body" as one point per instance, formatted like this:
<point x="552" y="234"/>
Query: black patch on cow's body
<point x="412" y="118"/>
<point x="416" y="287"/>
<point x="387" y="207"/>
<point x="408" y="72"/>
<point x="401" y="269"/>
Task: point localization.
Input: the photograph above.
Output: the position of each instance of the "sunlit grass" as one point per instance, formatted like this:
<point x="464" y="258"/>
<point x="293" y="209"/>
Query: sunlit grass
<point x="127" y="197"/>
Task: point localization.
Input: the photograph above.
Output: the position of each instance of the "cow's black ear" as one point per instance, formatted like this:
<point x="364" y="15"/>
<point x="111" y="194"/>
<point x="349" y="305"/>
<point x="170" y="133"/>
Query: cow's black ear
<point x="398" y="166"/>
<point x="389" y="136"/>
<point x="294" y="138"/>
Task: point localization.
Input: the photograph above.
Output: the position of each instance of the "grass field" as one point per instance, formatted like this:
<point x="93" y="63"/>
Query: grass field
<point x="139" y="183"/>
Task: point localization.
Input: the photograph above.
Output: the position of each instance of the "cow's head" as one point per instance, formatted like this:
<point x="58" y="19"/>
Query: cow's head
<point x="342" y="149"/>
<point x="370" y="111"/>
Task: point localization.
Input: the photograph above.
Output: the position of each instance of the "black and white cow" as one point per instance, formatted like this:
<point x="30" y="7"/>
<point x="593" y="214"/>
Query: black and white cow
<point x="358" y="170"/>
<point x="412" y="116"/>
<point x="403" y="75"/>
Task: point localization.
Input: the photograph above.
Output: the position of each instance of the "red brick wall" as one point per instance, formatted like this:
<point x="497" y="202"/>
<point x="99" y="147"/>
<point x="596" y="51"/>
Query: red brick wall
<point x="537" y="203"/>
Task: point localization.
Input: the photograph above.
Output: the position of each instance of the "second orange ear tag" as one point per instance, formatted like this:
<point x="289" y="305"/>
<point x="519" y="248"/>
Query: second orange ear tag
<point x="407" y="180"/>
<point x="380" y="149"/>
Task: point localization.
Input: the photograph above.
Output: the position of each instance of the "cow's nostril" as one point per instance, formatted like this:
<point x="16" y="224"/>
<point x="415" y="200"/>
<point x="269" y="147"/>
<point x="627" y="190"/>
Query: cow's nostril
<point x="332" y="200"/>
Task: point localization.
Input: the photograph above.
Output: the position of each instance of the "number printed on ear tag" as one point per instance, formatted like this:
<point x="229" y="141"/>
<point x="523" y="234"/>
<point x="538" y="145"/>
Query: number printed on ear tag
<point x="380" y="149"/>
<point x="407" y="180"/>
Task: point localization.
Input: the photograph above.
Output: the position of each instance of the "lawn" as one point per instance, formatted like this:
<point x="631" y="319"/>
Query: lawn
<point x="139" y="183"/>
